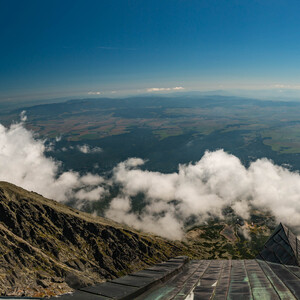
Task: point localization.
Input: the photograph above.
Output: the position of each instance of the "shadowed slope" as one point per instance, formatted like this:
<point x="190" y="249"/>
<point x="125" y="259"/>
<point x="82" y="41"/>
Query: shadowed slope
<point x="47" y="248"/>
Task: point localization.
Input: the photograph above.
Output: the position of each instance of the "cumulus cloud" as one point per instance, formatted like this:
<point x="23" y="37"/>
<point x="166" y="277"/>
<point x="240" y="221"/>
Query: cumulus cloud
<point x="90" y="194"/>
<point x="202" y="190"/>
<point x="23" y="162"/>
<point x="176" y="88"/>
<point x="165" y="225"/>
<point x="196" y="191"/>
<point x="87" y="149"/>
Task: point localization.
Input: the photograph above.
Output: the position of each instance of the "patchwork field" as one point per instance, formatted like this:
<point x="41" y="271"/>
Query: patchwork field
<point x="167" y="131"/>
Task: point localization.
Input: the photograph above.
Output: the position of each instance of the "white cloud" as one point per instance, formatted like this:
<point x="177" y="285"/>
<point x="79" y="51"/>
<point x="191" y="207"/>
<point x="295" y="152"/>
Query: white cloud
<point x="200" y="190"/>
<point x="23" y="162"/>
<point x="86" y="149"/>
<point x="165" y="89"/>
<point x="285" y="86"/>
<point x="23" y="116"/>
<point x="158" y="89"/>
<point x="90" y="194"/>
<point x="49" y="147"/>
<point x="58" y="138"/>
<point x="94" y="93"/>
<point x="165" y="225"/>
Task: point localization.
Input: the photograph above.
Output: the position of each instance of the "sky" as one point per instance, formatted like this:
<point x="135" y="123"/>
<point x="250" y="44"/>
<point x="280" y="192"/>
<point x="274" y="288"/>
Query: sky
<point x="71" y="48"/>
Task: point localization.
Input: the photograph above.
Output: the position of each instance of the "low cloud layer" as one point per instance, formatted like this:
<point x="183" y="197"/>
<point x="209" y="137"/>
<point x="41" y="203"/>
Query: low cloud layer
<point x="23" y="162"/>
<point x="203" y="189"/>
<point x="94" y="93"/>
<point x="176" y="88"/>
<point x="200" y="190"/>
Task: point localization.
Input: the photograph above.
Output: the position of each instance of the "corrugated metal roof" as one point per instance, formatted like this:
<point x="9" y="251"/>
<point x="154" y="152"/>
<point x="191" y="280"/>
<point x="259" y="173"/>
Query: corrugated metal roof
<point x="282" y="247"/>
<point x="275" y="274"/>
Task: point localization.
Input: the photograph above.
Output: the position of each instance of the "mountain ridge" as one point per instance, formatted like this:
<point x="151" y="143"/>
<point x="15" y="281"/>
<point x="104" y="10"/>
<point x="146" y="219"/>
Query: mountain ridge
<point x="47" y="248"/>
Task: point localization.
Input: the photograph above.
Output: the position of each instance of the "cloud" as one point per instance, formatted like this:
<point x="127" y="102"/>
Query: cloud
<point x="198" y="191"/>
<point x="158" y="89"/>
<point x="202" y="190"/>
<point x="92" y="194"/>
<point x="86" y="149"/>
<point x="58" y="138"/>
<point x="281" y="86"/>
<point x="94" y="93"/>
<point x="165" y="225"/>
<point x="165" y="89"/>
<point x="24" y="163"/>
<point x="285" y="86"/>
<point x="23" y="116"/>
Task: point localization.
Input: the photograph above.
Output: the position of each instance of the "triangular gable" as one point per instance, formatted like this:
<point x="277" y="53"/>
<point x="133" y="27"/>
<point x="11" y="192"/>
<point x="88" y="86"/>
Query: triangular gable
<point x="282" y="247"/>
<point x="294" y="242"/>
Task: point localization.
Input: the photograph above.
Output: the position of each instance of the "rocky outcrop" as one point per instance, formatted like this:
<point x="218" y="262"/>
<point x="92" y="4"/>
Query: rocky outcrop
<point x="47" y="248"/>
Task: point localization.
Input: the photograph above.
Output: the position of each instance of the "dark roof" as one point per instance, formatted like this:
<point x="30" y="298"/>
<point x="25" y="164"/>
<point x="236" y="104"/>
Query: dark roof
<point x="274" y="275"/>
<point x="282" y="247"/>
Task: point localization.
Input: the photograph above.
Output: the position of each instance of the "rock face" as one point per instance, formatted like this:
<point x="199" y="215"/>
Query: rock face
<point x="48" y="249"/>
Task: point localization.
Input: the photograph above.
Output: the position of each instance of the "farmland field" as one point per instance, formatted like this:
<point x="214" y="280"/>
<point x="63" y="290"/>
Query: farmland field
<point x="166" y="130"/>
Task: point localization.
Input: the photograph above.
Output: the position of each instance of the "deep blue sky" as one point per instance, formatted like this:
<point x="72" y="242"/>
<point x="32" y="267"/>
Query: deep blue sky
<point x="56" y="48"/>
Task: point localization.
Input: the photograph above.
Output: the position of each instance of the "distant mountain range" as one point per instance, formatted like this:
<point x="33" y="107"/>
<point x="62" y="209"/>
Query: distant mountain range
<point x="278" y="93"/>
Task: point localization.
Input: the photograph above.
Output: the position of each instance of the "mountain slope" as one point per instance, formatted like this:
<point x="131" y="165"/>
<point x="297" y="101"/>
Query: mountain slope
<point x="47" y="248"/>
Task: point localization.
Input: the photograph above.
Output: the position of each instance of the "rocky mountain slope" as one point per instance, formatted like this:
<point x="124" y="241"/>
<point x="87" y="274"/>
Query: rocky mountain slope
<point x="47" y="248"/>
<point x="228" y="239"/>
